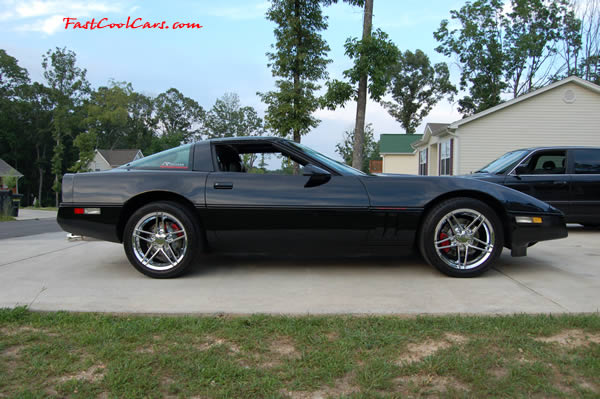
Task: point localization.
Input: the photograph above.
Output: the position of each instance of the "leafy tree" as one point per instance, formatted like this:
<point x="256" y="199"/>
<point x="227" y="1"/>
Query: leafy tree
<point x="374" y="57"/>
<point x="478" y="47"/>
<point x="37" y="120"/>
<point x="13" y="81"/>
<point x="179" y="118"/>
<point x="142" y="122"/>
<point x="228" y="118"/>
<point x="416" y="86"/>
<point x="532" y="31"/>
<point x="507" y="47"/>
<point x="299" y="61"/>
<point x="580" y="41"/>
<point x="370" y="148"/>
<point x="12" y="76"/>
<point x="69" y="87"/>
<point x="107" y="115"/>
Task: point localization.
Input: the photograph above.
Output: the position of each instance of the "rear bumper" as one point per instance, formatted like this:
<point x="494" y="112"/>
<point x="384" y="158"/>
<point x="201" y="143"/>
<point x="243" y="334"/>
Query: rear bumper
<point x="102" y="227"/>
<point x="553" y="227"/>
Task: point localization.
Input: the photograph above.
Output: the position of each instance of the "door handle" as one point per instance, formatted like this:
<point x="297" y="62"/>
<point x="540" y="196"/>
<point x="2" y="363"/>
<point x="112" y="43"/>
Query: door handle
<point x="560" y="183"/>
<point x="223" y="185"/>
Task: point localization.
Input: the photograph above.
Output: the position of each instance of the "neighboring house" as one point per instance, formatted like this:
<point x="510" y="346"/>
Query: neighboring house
<point x="109" y="159"/>
<point x="398" y="156"/>
<point x="563" y="113"/>
<point x="8" y="171"/>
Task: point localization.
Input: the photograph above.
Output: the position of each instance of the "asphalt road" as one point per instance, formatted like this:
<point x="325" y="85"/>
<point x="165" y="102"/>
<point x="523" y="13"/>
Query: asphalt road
<point x="46" y="272"/>
<point x="22" y="228"/>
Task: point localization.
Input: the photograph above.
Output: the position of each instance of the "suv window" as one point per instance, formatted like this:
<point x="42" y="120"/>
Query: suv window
<point x="587" y="161"/>
<point x="547" y="163"/>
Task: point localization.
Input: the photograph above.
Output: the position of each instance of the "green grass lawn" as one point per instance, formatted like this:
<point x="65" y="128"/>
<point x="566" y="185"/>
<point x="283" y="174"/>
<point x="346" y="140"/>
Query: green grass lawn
<point x="4" y="218"/>
<point x="95" y="355"/>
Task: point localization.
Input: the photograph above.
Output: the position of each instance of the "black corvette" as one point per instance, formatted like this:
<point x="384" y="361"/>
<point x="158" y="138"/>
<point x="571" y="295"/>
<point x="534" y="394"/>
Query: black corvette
<point x="169" y="207"/>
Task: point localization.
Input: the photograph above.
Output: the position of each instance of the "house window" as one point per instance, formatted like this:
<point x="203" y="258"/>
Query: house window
<point x="446" y="158"/>
<point x="423" y="162"/>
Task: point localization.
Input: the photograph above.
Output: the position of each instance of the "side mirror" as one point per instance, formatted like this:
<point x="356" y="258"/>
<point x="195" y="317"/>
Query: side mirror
<point x="317" y="175"/>
<point x="521" y="170"/>
<point x="314" y="171"/>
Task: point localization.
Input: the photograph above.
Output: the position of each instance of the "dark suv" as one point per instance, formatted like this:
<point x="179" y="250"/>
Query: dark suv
<point x="565" y="177"/>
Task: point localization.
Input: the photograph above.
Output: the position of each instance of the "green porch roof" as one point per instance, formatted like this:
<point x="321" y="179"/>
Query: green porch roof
<point x="397" y="143"/>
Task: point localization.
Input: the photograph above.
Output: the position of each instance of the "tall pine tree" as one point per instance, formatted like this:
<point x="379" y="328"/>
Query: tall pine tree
<point x="299" y="62"/>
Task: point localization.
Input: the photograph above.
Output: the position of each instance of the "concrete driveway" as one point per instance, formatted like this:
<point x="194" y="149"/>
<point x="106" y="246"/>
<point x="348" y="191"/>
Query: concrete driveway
<point x="46" y="272"/>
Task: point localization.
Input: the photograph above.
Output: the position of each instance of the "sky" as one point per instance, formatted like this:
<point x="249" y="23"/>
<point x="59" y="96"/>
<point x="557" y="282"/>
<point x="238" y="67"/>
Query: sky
<point x="226" y="55"/>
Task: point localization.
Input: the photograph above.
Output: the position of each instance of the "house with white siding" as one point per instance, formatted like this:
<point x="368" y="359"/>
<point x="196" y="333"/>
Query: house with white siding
<point x="563" y="113"/>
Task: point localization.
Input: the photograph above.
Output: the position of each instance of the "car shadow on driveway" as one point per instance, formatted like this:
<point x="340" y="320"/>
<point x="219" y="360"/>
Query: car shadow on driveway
<point x="241" y="262"/>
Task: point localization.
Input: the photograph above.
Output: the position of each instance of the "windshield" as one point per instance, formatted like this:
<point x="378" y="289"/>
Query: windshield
<point x="332" y="163"/>
<point x="504" y="163"/>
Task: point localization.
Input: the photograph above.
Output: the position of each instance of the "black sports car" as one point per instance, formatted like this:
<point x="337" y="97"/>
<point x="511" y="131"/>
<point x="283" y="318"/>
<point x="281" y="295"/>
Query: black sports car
<point x="565" y="177"/>
<point x="226" y="194"/>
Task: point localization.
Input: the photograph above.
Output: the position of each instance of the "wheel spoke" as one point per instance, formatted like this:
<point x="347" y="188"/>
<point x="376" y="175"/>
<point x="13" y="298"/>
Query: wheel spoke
<point x="458" y="256"/>
<point x="466" y="256"/>
<point x="473" y="222"/>
<point x="478" y="226"/>
<point x="172" y="253"/>
<point x="178" y="238"/>
<point x="142" y="238"/>
<point x="168" y="257"/>
<point x="143" y="231"/>
<point x="482" y="242"/>
<point x="458" y="224"/>
<point x="147" y="252"/>
<point x="452" y="226"/>
<point x="152" y="257"/>
<point x="447" y="246"/>
<point x="444" y="240"/>
<point x="487" y="249"/>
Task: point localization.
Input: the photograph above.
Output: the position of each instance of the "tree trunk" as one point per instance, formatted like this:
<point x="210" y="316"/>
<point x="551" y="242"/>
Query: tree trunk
<point x="361" y="102"/>
<point x="41" y="172"/>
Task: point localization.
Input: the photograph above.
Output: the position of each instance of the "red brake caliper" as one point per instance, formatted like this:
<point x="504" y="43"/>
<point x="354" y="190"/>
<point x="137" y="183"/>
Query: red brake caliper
<point x="444" y="243"/>
<point x="176" y="228"/>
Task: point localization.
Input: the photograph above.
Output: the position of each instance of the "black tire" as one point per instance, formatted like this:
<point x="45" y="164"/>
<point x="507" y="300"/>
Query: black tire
<point x="461" y="213"/>
<point x="177" y="241"/>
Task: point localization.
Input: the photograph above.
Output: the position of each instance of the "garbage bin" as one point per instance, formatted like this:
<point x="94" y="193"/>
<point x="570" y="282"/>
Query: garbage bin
<point x="16" y="200"/>
<point x="5" y="202"/>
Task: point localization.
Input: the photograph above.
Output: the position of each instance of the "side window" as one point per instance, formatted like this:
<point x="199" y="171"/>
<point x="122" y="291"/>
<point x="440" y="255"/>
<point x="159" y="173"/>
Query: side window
<point x="255" y="158"/>
<point x="175" y="158"/>
<point x="587" y="161"/>
<point x="548" y="163"/>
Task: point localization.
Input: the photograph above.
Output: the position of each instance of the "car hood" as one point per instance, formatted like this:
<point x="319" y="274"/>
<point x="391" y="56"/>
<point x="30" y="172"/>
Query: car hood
<point x="417" y="191"/>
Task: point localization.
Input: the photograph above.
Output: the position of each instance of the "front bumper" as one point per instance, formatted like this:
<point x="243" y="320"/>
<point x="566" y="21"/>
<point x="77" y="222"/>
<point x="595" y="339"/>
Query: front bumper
<point x="553" y="227"/>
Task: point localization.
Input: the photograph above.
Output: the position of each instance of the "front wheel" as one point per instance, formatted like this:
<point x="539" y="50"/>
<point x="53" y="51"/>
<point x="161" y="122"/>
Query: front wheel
<point x="461" y="237"/>
<point x="161" y="239"/>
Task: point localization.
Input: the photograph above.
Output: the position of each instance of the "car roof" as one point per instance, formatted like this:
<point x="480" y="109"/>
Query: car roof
<point x="246" y="138"/>
<point x="558" y="148"/>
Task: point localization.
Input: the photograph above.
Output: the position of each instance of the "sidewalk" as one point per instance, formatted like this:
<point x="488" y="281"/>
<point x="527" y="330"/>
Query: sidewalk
<point x="28" y="214"/>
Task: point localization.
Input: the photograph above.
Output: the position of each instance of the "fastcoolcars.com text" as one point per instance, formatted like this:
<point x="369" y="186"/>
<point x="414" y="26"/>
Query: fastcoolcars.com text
<point x="137" y="23"/>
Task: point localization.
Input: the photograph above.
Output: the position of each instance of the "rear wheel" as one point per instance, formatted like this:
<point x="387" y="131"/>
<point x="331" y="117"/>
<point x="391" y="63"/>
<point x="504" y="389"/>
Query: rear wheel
<point x="461" y="237"/>
<point x="161" y="239"/>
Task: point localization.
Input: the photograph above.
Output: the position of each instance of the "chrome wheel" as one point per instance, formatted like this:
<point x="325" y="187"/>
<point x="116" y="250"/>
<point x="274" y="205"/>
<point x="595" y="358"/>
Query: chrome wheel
<point x="159" y="241"/>
<point x="464" y="239"/>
